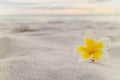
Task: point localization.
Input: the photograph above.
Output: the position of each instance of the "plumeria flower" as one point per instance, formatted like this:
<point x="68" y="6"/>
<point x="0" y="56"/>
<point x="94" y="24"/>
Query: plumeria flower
<point x="94" y="49"/>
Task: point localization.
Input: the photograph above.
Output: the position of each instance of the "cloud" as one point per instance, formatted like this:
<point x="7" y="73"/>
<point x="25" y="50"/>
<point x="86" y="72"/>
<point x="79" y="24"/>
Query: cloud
<point x="16" y="3"/>
<point x="99" y="0"/>
<point x="25" y="1"/>
<point x="31" y="7"/>
<point x="52" y="8"/>
<point x="42" y="4"/>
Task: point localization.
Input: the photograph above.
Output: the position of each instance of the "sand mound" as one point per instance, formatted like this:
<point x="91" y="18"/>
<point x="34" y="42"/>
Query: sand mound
<point x="24" y="60"/>
<point x="24" y="68"/>
<point x="10" y="46"/>
<point x="48" y="53"/>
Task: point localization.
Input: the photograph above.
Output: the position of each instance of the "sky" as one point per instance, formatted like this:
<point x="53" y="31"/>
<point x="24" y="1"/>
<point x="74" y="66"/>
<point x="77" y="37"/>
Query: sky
<point x="59" y="7"/>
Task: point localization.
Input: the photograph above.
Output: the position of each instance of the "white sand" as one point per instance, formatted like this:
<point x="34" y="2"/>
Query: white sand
<point x="48" y="53"/>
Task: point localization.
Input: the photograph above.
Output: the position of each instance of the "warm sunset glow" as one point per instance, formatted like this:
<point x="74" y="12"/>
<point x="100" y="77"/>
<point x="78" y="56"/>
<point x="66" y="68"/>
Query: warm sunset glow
<point x="58" y="7"/>
<point x="103" y="11"/>
<point x="45" y="12"/>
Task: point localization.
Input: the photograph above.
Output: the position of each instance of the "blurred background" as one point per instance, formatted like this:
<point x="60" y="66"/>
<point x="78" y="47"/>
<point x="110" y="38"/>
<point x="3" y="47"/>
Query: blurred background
<point x="45" y="10"/>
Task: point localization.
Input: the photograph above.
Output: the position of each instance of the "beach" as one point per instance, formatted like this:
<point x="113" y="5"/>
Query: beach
<point x="47" y="50"/>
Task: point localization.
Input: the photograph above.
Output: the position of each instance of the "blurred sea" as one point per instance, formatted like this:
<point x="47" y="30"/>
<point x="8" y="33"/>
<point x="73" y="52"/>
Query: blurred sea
<point x="58" y="18"/>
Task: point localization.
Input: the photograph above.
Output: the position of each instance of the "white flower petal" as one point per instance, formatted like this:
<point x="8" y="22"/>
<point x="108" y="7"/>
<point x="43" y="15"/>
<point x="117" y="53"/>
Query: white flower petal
<point x="80" y="59"/>
<point x="89" y="34"/>
<point x="75" y="52"/>
<point x="106" y="57"/>
<point x="106" y="41"/>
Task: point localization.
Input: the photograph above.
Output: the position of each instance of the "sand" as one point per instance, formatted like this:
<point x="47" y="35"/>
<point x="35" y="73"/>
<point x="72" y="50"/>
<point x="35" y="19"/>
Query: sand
<point x="47" y="52"/>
